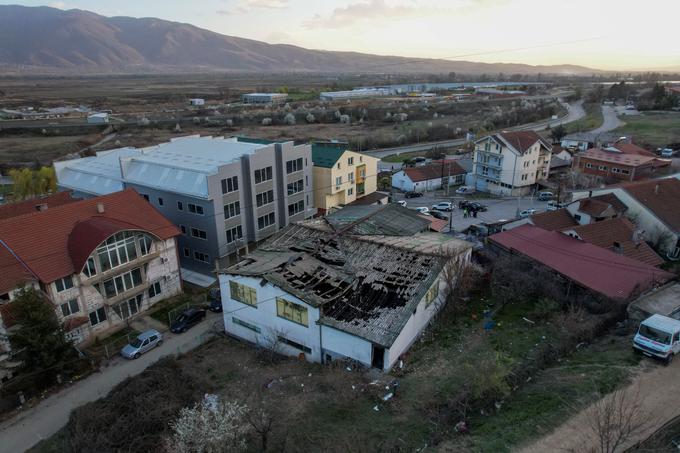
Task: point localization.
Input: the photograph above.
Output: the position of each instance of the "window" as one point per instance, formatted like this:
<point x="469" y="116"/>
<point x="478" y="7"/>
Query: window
<point x="294" y="165"/>
<point x="202" y="257"/>
<point x="295" y="344"/>
<point x="615" y="170"/>
<point x="432" y="293"/>
<point x="243" y="293"/>
<point x="195" y="209"/>
<point x="296" y="208"/>
<point x="350" y="177"/>
<point x="234" y="234"/>
<point x="338" y="181"/>
<point x="602" y="167"/>
<point x="338" y="165"/>
<point x="118" y="250"/>
<point x="160" y="201"/>
<point x="195" y="232"/>
<point x="350" y="191"/>
<point x="230" y="184"/>
<point x="128" y="308"/>
<point x="154" y="290"/>
<point x="145" y="244"/>
<point x="350" y="161"/>
<point x="295" y="187"/>
<point x="183" y="228"/>
<point x="291" y="311"/>
<point x="64" y="283"/>
<point x="625" y="172"/>
<point x="264" y="198"/>
<point x="90" y="268"/>
<point x="97" y="316"/>
<point x="589" y="165"/>
<point x="265" y="221"/>
<point x="145" y="196"/>
<point x="263" y="174"/>
<point x="232" y="210"/>
<point x="122" y="283"/>
<point x="70" y="307"/>
<point x="180" y="206"/>
<point x="577" y="217"/>
<point x="247" y="325"/>
<point x="187" y="253"/>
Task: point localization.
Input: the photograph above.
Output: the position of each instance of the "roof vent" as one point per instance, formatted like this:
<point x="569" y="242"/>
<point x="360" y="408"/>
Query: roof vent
<point x="41" y="207"/>
<point x="100" y="207"/>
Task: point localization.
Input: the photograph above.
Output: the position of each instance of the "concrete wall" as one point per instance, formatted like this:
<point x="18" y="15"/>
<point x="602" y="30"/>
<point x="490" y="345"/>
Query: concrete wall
<point x="265" y="318"/>
<point x="339" y="344"/>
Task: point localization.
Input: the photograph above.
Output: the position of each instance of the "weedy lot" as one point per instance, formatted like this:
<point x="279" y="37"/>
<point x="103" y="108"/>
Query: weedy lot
<point x="314" y="407"/>
<point x="657" y="129"/>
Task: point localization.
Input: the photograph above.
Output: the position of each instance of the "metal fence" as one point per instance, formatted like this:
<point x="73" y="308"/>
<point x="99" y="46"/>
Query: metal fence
<point x="172" y="314"/>
<point x="112" y="348"/>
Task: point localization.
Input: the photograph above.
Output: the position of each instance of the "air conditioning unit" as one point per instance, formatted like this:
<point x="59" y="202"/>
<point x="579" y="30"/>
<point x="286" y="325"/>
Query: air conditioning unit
<point x="164" y="260"/>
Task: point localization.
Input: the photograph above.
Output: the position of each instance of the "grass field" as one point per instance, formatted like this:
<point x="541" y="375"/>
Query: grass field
<point x="592" y="120"/>
<point x="654" y="129"/>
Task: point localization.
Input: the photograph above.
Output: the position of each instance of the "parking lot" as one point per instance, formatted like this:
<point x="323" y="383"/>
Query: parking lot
<point x="498" y="208"/>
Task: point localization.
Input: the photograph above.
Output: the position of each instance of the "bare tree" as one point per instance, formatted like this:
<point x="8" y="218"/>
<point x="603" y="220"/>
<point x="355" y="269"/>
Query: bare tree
<point x="262" y="422"/>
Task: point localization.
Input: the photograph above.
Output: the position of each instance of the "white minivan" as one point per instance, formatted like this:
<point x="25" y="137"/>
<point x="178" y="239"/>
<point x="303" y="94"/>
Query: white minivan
<point x="658" y="336"/>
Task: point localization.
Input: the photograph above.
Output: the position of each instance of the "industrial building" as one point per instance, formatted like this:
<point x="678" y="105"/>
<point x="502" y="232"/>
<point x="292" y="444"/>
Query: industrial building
<point x="224" y="194"/>
<point x="354" y="94"/>
<point x="264" y="98"/>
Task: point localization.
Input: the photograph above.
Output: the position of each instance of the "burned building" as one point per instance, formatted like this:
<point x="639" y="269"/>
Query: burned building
<point x="340" y="288"/>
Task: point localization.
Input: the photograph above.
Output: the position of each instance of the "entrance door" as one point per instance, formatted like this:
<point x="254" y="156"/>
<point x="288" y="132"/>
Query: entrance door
<point x="378" y="360"/>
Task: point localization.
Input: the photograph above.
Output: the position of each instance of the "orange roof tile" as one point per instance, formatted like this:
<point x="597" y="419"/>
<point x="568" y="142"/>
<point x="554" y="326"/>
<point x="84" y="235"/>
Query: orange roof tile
<point x="434" y="171"/>
<point x="554" y="220"/>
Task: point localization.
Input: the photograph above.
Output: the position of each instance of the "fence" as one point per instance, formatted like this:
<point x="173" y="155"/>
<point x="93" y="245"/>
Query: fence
<point x="172" y="314"/>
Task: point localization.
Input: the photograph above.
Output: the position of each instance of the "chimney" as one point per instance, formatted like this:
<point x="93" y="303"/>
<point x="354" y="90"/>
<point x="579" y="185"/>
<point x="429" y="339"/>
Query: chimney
<point x="100" y="207"/>
<point x="656" y="189"/>
<point x="41" y="207"/>
<point x="617" y="248"/>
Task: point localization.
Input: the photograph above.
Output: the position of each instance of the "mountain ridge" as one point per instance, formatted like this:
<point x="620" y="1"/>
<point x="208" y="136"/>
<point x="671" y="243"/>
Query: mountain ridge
<point x="46" y="39"/>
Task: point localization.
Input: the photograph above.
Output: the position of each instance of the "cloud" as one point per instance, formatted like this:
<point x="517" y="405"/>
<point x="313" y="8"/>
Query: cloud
<point x="279" y="37"/>
<point x="59" y="5"/>
<point x="376" y="10"/>
<point x="246" y="6"/>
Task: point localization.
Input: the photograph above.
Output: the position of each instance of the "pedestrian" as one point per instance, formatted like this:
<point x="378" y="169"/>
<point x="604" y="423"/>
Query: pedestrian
<point x="474" y="213"/>
<point x="465" y="213"/>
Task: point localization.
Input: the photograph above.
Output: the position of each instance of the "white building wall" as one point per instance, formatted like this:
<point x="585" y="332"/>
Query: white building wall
<point x="401" y="181"/>
<point x="341" y="344"/>
<point x="265" y="318"/>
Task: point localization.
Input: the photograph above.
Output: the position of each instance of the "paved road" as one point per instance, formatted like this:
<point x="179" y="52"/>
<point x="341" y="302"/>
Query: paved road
<point x="575" y="112"/>
<point x="657" y="392"/>
<point x="498" y="208"/>
<point x="41" y="421"/>
<point x="611" y="121"/>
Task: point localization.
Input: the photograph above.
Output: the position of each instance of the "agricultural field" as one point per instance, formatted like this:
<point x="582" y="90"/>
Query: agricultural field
<point x="655" y="129"/>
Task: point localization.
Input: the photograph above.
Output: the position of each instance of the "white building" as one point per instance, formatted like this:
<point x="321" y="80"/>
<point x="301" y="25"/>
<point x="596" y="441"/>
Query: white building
<point x="197" y="101"/>
<point x="98" y="118"/>
<point x="429" y="177"/>
<point x="322" y="291"/>
<point x="510" y="163"/>
<point x="264" y="98"/>
<point x="356" y="93"/>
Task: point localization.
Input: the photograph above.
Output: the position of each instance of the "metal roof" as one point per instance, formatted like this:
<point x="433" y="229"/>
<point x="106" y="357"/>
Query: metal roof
<point x="326" y="156"/>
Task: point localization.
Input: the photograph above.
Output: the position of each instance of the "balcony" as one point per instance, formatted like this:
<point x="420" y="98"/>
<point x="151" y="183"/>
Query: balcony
<point x="137" y="262"/>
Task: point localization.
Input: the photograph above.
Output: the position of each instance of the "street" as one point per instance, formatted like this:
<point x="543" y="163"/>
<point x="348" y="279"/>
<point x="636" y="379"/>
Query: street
<point x="498" y="208"/>
<point x="49" y="416"/>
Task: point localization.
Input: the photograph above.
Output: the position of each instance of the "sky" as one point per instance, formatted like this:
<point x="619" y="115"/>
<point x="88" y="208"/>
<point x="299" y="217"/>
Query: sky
<point x="603" y="34"/>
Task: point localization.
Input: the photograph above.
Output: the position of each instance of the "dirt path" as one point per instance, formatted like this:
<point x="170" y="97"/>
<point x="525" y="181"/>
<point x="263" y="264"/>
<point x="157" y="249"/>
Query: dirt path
<point x="659" y="396"/>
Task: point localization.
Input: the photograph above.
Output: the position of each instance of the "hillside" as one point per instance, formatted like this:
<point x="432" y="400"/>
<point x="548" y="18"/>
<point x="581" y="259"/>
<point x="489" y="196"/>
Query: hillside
<point x="48" y="39"/>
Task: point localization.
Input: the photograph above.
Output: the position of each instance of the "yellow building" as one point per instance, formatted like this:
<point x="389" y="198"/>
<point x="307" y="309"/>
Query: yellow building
<point x="341" y="176"/>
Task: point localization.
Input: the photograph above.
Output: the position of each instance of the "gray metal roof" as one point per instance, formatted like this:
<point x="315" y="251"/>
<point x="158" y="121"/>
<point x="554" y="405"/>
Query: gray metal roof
<point x="389" y="219"/>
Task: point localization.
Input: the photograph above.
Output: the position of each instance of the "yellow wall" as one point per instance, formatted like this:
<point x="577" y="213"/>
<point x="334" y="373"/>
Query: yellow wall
<point x="327" y="195"/>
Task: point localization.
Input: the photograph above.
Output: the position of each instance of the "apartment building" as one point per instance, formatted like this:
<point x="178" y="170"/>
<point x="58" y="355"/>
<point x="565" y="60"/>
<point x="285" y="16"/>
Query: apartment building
<point x="224" y="194"/>
<point x="100" y="261"/>
<point x="341" y="176"/>
<point x="510" y="163"/>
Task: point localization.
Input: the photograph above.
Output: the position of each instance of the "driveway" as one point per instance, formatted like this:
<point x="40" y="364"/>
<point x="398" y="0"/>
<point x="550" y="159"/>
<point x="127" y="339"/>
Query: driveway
<point x="498" y="208"/>
<point x="611" y="121"/>
<point x="39" y="422"/>
<point x="656" y="391"/>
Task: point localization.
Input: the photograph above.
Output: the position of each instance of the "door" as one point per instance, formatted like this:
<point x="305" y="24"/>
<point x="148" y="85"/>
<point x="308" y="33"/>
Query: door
<point x="145" y="346"/>
<point x="378" y="360"/>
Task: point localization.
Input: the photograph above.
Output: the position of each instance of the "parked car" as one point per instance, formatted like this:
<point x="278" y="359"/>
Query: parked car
<point x="439" y="215"/>
<point x="144" y="342"/>
<point x="553" y="205"/>
<point x="463" y="204"/>
<point x="667" y="152"/>
<point x="413" y="194"/>
<point x="464" y="189"/>
<point x="187" y="319"/>
<point x="401" y="203"/>
<point x="658" y="336"/>
<point x="443" y="206"/>
<point x="475" y="206"/>
<point x="423" y="210"/>
<point x="527" y="213"/>
<point x="215" y="299"/>
<point x="545" y="196"/>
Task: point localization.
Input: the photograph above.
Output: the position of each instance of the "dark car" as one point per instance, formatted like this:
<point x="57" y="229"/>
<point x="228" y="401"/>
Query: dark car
<point x="474" y="206"/>
<point x="413" y="194"/>
<point x="438" y="215"/>
<point x="187" y="319"/>
<point x="463" y="204"/>
<point x="215" y="300"/>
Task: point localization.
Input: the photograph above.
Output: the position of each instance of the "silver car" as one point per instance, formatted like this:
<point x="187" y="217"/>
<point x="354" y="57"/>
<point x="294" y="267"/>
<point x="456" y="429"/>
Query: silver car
<point x="144" y="342"/>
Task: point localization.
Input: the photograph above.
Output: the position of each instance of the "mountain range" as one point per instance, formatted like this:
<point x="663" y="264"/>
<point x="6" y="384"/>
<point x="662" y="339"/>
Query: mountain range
<point x="47" y="39"/>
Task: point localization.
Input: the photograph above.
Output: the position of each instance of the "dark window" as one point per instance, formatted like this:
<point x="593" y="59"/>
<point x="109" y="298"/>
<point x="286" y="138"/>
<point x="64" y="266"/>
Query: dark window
<point x="198" y="256"/>
<point x="265" y="221"/>
<point x="234" y="234"/>
<point x="295" y="187"/>
<point x="186" y="252"/>
<point x="264" y="198"/>
<point x="263" y="174"/>
<point x="195" y="209"/>
<point x="230" y="184"/>
<point x="63" y="284"/>
<point x="145" y="196"/>
<point x="154" y="290"/>
<point x="160" y="201"/>
<point x="195" y="232"/>
<point x="98" y="316"/>
<point x="294" y="165"/>
<point x="183" y="228"/>
<point x="296" y="208"/>
<point x="70" y="307"/>
<point x="232" y="210"/>
<point x="180" y="206"/>
<point x="295" y="344"/>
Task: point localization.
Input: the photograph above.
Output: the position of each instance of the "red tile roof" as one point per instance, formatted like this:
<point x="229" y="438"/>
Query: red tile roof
<point x="12" y="271"/>
<point x="434" y="171"/>
<point x="45" y="243"/>
<point x="630" y="160"/>
<point x="7" y="315"/>
<point x="629" y="148"/>
<point x="596" y="208"/>
<point x="436" y="225"/>
<point x="588" y="265"/>
<point x="661" y="196"/>
<point x="619" y="231"/>
<point x="31" y="206"/>
<point x="521" y="140"/>
<point x="554" y="220"/>
<point x="613" y="200"/>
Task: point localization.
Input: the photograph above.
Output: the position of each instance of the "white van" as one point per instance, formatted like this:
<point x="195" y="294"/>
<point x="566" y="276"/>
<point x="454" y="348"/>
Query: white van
<point x="667" y="152"/>
<point x="544" y="196"/>
<point x="658" y="336"/>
